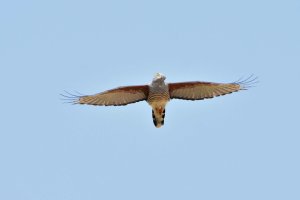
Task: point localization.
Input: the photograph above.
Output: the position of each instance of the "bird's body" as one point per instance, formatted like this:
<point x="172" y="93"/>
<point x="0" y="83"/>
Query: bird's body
<point x="158" y="98"/>
<point x="159" y="93"/>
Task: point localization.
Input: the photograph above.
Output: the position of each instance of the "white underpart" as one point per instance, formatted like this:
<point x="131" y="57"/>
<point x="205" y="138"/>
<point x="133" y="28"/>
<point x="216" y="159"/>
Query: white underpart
<point x="158" y="92"/>
<point x="158" y="97"/>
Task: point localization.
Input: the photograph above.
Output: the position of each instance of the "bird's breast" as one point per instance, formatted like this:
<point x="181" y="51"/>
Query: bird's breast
<point x="158" y="95"/>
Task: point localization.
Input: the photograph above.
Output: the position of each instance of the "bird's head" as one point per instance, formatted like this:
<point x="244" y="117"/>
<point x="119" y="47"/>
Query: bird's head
<point x="159" y="77"/>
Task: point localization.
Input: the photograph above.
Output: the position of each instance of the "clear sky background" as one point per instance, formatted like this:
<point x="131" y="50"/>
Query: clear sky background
<point x="241" y="146"/>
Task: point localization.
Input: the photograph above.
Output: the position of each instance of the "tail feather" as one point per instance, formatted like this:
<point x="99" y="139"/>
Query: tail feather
<point x="158" y="118"/>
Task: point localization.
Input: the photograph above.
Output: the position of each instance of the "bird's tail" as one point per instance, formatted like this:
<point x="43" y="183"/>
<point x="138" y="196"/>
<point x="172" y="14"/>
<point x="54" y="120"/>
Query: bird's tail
<point x="158" y="116"/>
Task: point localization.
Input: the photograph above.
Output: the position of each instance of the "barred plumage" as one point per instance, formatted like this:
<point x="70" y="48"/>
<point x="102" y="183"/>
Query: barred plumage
<point x="158" y="98"/>
<point x="159" y="93"/>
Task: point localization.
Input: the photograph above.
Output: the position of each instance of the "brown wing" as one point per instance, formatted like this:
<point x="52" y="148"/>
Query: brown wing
<point x="206" y="90"/>
<point x="115" y="97"/>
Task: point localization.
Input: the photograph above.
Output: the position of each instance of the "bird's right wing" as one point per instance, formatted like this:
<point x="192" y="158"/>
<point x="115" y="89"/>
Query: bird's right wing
<point x="204" y="90"/>
<point x="115" y="97"/>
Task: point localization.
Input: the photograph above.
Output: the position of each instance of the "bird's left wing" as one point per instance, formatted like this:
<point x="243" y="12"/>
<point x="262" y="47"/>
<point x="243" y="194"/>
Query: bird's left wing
<point x="115" y="97"/>
<point x="205" y="90"/>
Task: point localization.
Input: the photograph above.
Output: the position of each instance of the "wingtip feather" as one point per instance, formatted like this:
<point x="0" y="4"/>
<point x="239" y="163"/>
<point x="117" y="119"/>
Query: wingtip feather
<point x="70" y="98"/>
<point x="247" y="83"/>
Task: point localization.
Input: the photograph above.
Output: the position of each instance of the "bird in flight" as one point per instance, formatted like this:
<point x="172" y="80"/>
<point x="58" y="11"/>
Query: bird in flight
<point x="158" y="93"/>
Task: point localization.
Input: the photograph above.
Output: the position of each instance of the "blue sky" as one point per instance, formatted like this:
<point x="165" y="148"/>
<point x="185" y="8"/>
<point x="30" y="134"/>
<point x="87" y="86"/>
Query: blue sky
<point x="241" y="146"/>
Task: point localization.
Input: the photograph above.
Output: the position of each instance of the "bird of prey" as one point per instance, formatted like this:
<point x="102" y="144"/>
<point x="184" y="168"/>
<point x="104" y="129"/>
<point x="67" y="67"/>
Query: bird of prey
<point x="158" y="93"/>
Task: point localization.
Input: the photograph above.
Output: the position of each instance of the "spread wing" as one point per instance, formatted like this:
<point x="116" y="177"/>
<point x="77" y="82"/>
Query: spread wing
<point x="205" y="90"/>
<point x="116" y="97"/>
